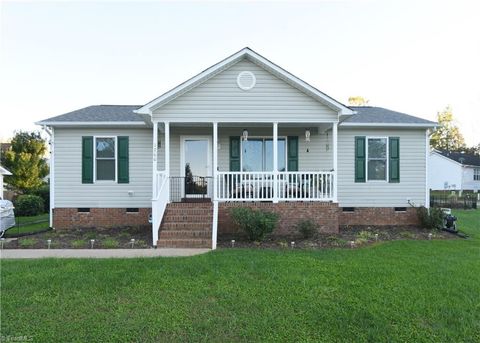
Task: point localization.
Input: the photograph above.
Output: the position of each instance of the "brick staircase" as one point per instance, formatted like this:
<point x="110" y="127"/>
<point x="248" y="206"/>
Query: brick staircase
<point x="186" y="225"/>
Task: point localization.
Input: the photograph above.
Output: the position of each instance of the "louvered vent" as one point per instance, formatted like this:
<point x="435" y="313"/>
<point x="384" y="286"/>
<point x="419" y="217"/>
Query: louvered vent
<point x="246" y="80"/>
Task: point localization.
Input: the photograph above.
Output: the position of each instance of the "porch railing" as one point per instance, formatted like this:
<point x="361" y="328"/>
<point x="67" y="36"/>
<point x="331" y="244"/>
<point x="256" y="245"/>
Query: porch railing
<point x="260" y="186"/>
<point x="159" y="202"/>
<point x="191" y="188"/>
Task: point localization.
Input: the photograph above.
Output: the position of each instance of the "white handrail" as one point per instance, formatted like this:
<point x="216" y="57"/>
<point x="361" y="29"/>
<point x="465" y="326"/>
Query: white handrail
<point x="160" y="199"/>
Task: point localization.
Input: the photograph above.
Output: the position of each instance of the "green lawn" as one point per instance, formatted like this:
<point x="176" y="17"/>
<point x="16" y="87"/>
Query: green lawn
<point x="400" y="291"/>
<point x="29" y="225"/>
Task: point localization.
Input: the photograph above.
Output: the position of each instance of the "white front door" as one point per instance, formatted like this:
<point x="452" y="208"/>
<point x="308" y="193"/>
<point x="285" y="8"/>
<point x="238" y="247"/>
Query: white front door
<point x="195" y="166"/>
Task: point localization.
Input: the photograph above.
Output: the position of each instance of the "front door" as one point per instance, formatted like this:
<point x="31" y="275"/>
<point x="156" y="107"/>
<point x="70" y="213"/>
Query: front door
<point x="196" y="167"/>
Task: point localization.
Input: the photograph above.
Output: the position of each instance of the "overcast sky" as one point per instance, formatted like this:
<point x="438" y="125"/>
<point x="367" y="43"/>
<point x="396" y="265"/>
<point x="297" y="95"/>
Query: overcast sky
<point x="415" y="57"/>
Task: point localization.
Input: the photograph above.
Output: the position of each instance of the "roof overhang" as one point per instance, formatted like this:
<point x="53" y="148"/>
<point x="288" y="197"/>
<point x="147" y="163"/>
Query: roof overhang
<point x="92" y="123"/>
<point x="390" y="125"/>
<point x="257" y="59"/>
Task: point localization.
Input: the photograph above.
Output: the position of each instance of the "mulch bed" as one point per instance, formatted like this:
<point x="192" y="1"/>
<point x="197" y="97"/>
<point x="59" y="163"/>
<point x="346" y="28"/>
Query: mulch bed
<point x="80" y="238"/>
<point x="361" y="236"/>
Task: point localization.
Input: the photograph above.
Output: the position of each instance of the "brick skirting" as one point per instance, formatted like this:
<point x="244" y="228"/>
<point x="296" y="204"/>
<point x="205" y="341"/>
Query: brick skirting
<point x="69" y="218"/>
<point x="378" y="216"/>
<point x="324" y="214"/>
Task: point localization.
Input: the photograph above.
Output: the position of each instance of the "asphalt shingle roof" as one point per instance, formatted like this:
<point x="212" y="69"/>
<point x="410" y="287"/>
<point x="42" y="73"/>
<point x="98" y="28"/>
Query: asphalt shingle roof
<point x="462" y="158"/>
<point x="380" y="115"/>
<point x="100" y="113"/>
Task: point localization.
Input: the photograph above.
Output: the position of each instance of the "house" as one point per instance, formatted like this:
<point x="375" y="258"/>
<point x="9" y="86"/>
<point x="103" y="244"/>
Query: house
<point x="3" y="172"/>
<point x="244" y="132"/>
<point x="453" y="171"/>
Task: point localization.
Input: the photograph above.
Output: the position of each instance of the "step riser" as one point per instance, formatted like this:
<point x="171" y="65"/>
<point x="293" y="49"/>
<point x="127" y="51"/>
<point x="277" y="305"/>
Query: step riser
<point x="186" y="226"/>
<point x="187" y="219"/>
<point x="184" y="244"/>
<point x="185" y="234"/>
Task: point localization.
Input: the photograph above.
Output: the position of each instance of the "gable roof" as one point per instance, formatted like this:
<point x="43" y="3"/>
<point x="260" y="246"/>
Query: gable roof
<point x="460" y="157"/>
<point x="379" y="116"/>
<point x="108" y="114"/>
<point x="257" y="59"/>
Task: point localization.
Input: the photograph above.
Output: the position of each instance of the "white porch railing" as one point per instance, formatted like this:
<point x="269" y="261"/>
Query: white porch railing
<point x="260" y="186"/>
<point x="161" y="195"/>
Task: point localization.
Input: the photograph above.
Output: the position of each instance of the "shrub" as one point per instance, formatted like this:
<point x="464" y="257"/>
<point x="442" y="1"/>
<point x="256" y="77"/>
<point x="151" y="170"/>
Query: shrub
<point x="431" y="218"/>
<point x="29" y="205"/>
<point x="110" y="243"/>
<point x="44" y="193"/>
<point x="79" y="243"/>
<point x="27" y="242"/>
<point x="306" y="228"/>
<point x="256" y="224"/>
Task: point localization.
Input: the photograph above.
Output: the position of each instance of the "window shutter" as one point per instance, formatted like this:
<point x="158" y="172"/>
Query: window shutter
<point x="292" y="153"/>
<point x="87" y="159"/>
<point x="360" y="159"/>
<point x="122" y="159"/>
<point x="394" y="159"/>
<point x="234" y="153"/>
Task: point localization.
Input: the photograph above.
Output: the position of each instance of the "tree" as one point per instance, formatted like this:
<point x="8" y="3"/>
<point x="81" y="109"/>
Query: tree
<point x="25" y="160"/>
<point x="357" y="101"/>
<point x="447" y="137"/>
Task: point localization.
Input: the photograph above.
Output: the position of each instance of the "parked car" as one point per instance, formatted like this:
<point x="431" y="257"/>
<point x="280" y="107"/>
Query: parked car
<point x="7" y="216"/>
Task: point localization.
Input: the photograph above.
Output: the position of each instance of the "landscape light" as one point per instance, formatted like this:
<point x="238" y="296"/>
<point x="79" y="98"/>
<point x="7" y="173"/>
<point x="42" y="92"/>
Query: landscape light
<point x="49" y="242"/>
<point x="292" y="244"/>
<point x="132" y="242"/>
<point x="92" y="241"/>
<point x="233" y="243"/>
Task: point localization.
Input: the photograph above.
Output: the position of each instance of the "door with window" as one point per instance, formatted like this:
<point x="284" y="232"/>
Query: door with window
<point x="196" y="167"/>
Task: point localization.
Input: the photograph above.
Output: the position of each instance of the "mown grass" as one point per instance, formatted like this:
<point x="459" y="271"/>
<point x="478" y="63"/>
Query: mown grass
<point x="32" y="224"/>
<point x="400" y="291"/>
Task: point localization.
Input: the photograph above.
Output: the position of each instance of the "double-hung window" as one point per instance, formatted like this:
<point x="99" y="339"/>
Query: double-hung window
<point x="476" y="174"/>
<point x="257" y="154"/>
<point x="377" y="157"/>
<point x="105" y="158"/>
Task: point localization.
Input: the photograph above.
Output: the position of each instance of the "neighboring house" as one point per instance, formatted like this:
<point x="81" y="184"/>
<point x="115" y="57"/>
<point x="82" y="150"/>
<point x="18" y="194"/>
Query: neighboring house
<point x="3" y="172"/>
<point x="453" y="170"/>
<point x="244" y="132"/>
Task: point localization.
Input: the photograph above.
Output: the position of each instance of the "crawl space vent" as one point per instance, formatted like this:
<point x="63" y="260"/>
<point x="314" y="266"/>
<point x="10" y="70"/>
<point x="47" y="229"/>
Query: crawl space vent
<point x="246" y="80"/>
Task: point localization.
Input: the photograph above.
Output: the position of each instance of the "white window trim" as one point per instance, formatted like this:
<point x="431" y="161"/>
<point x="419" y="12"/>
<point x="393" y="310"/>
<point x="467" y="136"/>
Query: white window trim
<point x="95" y="160"/>
<point x="476" y="173"/>
<point x="387" y="159"/>
<point x="264" y="137"/>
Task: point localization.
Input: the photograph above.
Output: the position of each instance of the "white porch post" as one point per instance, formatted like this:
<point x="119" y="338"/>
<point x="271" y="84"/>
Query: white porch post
<point x="154" y="160"/>
<point x="275" y="162"/>
<point x="167" y="157"/>
<point x="335" y="163"/>
<point x="215" y="170"/>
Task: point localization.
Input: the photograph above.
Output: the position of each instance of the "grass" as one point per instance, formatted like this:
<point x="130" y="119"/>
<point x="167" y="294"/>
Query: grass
<point x="399" y="291"/>
<point x="29" y="225"/>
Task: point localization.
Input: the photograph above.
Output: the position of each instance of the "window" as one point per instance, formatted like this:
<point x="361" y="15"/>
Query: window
<point x="257" y="154"/>
<point x="377" y="159"/>
<point x="476" y="174"/>
<point x="105" y="158"/>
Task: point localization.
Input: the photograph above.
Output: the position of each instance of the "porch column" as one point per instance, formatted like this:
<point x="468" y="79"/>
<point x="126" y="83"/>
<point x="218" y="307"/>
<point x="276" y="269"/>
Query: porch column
<point x="167" y="156"/>
<point x="335" y="163"/>
<point x="154" y="159"/>
<point x="275" y="162"/>
<point x="215" y="170"/>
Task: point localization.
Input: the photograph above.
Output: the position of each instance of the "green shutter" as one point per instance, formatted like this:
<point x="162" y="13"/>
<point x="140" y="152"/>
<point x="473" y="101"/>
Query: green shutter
<point x="394" y="159"/>
<point x="292" y="153"/>
<point x="234" y="153"/>
<point x="87" y="159"/>
<point x="360" y="159"/>
<point x="122" y="160"/>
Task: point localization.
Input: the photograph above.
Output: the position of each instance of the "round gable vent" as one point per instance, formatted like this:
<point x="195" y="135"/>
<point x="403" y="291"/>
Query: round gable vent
<point x="246" y="80"/>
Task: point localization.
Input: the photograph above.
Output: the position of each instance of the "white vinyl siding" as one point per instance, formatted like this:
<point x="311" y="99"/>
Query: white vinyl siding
<point x="272" y="99"/>
<point x="69" y="190"/>
<point x="382" y="194"/>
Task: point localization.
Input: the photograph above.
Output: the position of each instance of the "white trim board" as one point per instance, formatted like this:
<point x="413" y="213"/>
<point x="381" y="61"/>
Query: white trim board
<point x="229" y="61"/>
<point x="397" y="125"/>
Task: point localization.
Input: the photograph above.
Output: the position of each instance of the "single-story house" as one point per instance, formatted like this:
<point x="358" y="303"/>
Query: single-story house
<point x="3" y="172"/>
<point x="453" y="171"/>
<point x="244" y="132"/>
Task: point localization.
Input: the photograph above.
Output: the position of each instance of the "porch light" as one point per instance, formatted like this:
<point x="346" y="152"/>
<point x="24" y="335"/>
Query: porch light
<point x="245" y="135"/>
<point x="307" y="135"/>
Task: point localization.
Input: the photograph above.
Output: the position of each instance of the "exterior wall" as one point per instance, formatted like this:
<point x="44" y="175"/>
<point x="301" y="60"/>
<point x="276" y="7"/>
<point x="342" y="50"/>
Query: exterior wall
<point x="468" y="183"/>
<point x="443" y="170"/>
<point x="378" y="216"/>
<point x="318" y="158"/>
<point x="412" y="183"/>
<point x="70" y="218"/>
<point x="324" y="214"/>
<point x="220" y="98"/>
<point x="71" y="193"/>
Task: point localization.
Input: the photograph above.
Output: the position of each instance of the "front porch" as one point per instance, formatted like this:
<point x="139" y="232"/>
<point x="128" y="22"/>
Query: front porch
<point x="242" y="162"/>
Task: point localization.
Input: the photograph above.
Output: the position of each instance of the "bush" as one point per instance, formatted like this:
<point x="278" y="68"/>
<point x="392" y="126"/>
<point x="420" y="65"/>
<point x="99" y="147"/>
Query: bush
<point x="44" y="193"/>
<point x="29" y="205"/>
<point x="26" y="243"/>
<point x="307" y="228"/>
<point x="256" y="224"/>
<point x="431" y="218"/>
<point x="110" y="243"/>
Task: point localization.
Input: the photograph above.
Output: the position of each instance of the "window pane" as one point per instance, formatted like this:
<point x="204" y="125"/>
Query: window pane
<point x="252" y="155"/>
<point x="377" y="170"/>
<point x="377" y="148"/>
<point x="106" y="147"/>
<point x="269" y="154"/>
<point x="105" y="169"/>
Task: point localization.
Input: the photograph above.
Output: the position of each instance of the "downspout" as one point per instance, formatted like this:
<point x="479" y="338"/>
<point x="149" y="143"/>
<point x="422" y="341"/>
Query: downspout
<point x="50" y="132"/>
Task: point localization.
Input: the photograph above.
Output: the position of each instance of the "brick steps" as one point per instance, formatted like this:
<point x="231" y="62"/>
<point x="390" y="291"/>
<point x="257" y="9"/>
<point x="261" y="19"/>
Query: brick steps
<point x="186" y="225"/>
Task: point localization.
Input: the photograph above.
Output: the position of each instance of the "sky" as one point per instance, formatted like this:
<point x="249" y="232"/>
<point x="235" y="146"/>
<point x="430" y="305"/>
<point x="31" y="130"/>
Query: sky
<point x="414" y="57"/>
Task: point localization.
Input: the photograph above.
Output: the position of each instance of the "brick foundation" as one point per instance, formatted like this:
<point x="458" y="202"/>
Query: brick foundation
<point x="378" y="216"/>
<point x="324" y="214"/>
<point x="69" y="218"/>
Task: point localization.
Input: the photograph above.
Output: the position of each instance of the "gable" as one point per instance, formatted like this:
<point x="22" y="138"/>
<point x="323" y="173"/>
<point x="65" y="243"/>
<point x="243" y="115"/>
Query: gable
<point x="220" y="98"/>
